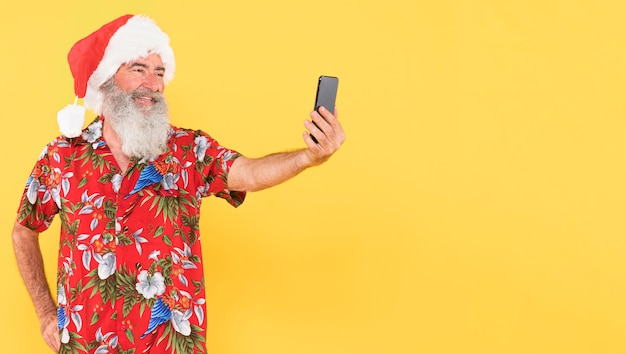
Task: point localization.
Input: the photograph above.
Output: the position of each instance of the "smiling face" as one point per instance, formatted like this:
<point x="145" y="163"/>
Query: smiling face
<point x="144" y="74"/>
<point x="135" y="108"/>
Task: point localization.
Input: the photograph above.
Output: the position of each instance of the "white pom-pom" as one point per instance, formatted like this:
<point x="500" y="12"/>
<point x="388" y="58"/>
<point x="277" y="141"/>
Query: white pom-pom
<point x="71" y="119"/>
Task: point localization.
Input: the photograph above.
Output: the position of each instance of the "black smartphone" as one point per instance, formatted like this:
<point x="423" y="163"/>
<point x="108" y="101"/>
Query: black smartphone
<point x="326" y="94"/>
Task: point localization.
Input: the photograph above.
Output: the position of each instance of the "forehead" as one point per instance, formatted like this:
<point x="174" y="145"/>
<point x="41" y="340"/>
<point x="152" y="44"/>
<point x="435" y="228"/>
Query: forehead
<point x="152" y="60"/>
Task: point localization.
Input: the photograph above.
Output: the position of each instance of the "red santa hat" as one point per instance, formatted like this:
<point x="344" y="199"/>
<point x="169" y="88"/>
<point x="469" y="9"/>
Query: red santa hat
<point x="96" y="58"/>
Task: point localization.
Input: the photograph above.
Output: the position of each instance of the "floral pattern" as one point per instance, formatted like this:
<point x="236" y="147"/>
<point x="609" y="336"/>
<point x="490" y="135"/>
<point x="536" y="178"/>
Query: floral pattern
<point x="130" y="264"/>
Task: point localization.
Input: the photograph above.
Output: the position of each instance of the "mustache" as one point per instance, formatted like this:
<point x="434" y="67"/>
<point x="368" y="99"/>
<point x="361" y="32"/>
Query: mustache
<point x="156" y="97"/>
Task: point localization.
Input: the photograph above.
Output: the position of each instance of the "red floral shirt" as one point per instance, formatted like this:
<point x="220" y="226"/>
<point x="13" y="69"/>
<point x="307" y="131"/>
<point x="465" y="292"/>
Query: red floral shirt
<point x="130" y="273"/>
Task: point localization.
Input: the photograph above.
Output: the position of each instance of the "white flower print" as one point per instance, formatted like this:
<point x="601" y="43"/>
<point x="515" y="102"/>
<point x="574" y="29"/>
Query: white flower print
<point x="202" y="145"/>
<point x="33" y="189"/>
<point x="227" y="156"/>
<point x="65" y="336"/>
<point x="56" y="196"/>
<point x="117" y="182"/>
<point x="150" y="286"/>
<point x="65" y="180"/>
<point x="154" y="255"/>
<point x="139" y="240"/>
<point x="169" y="181"/>
<point x="181" y="322"/>
<point x="106" y="264"/>
<point x="93" y="132"/>
<point x="108" y="341"/>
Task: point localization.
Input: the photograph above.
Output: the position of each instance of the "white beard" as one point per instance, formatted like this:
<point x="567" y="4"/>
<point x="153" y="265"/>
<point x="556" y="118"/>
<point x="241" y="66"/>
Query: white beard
<point x="142" y="132"/>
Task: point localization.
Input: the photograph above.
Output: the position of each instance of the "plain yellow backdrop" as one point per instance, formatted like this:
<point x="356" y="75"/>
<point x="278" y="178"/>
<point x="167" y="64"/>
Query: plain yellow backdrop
<point x="477" y="205"/>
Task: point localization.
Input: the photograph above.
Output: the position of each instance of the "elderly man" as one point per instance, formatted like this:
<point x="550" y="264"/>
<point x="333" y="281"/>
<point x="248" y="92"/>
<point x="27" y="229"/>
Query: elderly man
<point x="128" y="190"/>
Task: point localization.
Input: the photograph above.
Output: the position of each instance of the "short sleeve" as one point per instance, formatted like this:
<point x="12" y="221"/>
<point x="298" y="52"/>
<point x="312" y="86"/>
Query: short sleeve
<point x="213" y="163"/>
<point x="38" y="207"/>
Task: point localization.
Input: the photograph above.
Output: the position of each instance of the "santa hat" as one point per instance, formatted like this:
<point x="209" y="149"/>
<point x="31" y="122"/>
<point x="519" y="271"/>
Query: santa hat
<point x="96" y="58"/>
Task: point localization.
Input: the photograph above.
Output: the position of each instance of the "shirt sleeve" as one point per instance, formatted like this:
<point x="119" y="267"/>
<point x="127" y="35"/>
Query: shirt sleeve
<point x="213" y="162"/>
<point x="38" y="207"/>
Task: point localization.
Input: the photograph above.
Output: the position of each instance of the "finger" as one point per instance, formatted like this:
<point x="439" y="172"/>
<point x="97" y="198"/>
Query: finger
<point x="50" y="333"/>
<point x="310" y="143"/>
<point x="324" y="113"/>
<point x="55" y="341"/>
<point x="320" y="121"/>
<point x="334" y="122"/>
<point x="315" y="152"/>
<point x="330" y="118"/>
<point x="337" y="132"/>
<point x="315" y="130"/>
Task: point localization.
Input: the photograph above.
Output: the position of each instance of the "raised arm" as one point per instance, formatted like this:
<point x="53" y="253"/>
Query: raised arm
<point x="253" y="174"/>
<point x="30" y="265"/>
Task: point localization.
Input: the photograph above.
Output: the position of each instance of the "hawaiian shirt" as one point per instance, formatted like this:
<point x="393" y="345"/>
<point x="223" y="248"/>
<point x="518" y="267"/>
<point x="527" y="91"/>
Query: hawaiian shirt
<point x="130" y="273"/>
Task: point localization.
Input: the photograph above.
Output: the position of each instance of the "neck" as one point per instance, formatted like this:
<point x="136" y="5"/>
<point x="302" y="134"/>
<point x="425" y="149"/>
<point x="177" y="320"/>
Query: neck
<point x="115" y="145"/>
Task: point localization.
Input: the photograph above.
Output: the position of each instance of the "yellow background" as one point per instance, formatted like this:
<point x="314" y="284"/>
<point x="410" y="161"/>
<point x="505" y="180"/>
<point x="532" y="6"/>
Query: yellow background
<point x="477" y="205"/>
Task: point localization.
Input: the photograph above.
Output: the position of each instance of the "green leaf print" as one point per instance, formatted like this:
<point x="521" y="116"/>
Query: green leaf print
<point x="74" y="346"/>
<point x="94" y="318"/>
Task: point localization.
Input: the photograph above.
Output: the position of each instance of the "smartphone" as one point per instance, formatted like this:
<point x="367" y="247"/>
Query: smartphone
<point x="326" y="94"/>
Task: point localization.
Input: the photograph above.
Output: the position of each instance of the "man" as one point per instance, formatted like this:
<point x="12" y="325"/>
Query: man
<point x="128" y="190"/>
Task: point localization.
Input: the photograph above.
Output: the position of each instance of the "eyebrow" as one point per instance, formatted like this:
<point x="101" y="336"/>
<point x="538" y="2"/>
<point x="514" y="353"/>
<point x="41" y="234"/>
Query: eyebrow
<point x="145" y="66"/>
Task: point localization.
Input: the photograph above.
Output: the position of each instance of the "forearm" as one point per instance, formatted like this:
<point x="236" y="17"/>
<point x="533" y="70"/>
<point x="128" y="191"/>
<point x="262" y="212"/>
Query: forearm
<point x="254" y="174"/>
<point x="30" y="265"/>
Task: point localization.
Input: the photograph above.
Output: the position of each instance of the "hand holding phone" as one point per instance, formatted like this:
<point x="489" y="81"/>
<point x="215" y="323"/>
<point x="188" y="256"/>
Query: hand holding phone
<point x="326" y="95"/>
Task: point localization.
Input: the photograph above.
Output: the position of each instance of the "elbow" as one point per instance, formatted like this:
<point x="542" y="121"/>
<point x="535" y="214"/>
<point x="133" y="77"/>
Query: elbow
<point x="240" y="177"/>
<point x="21" y="232"/>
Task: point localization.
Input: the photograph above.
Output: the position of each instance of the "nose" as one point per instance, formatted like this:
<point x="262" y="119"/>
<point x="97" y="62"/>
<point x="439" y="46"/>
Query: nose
<point x="153" y="82"/>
